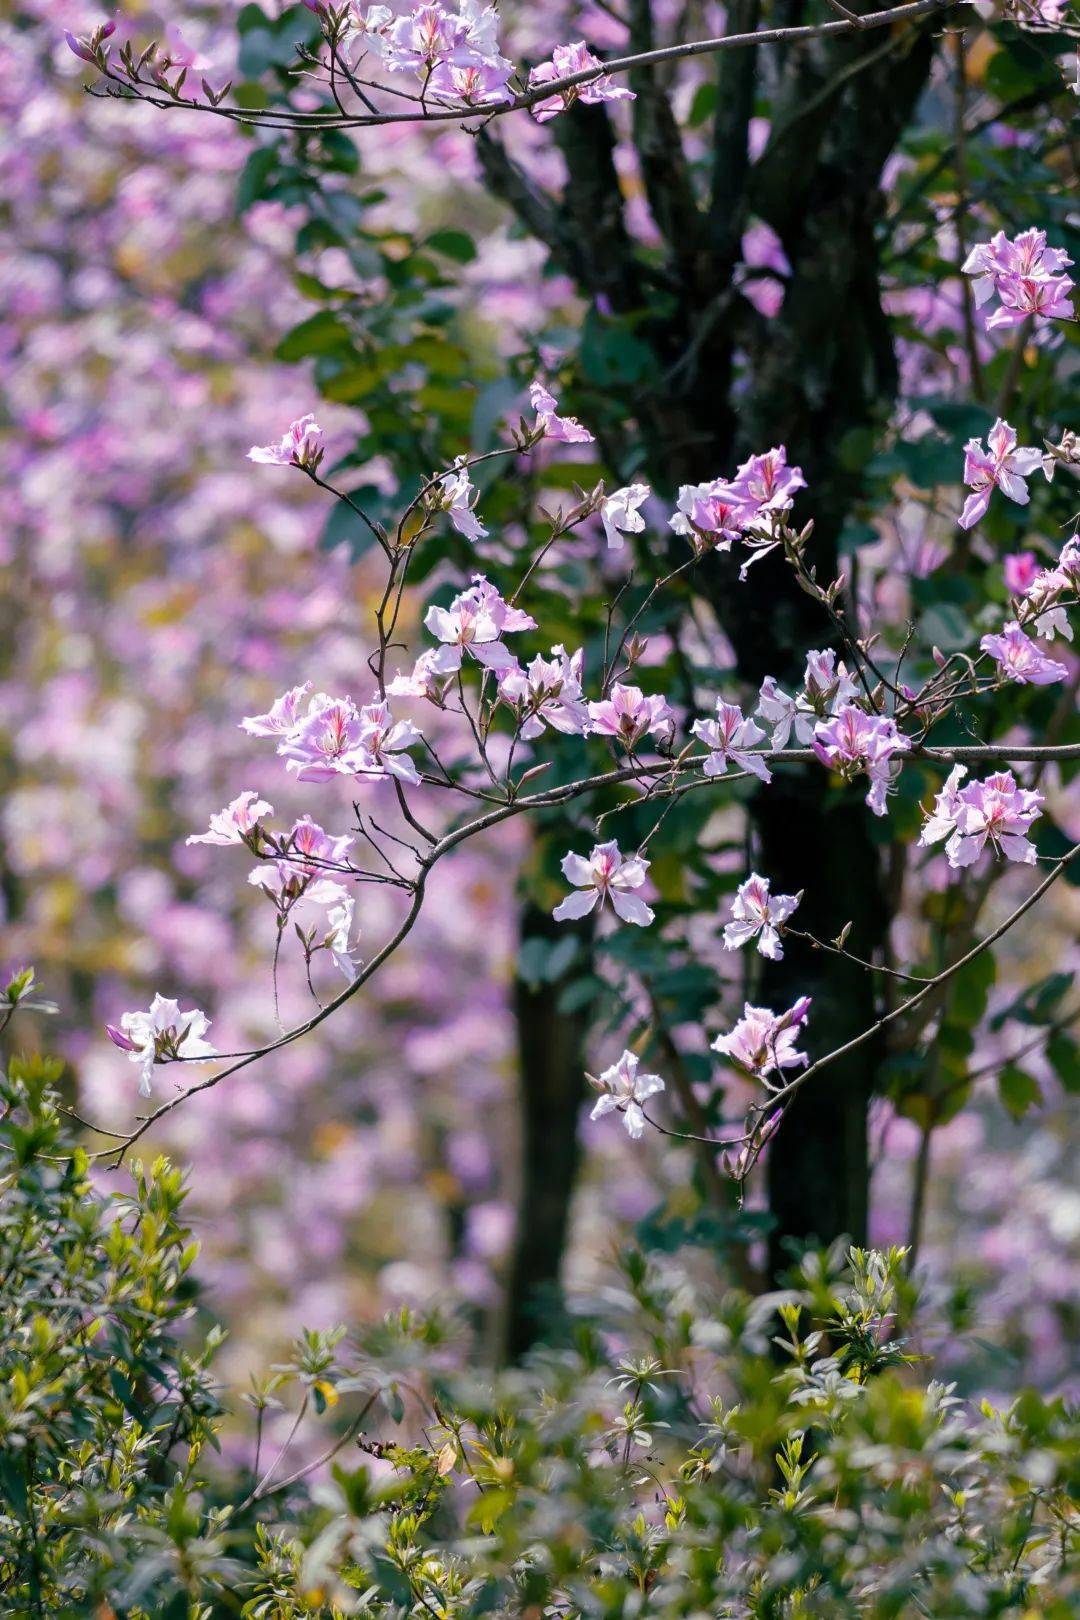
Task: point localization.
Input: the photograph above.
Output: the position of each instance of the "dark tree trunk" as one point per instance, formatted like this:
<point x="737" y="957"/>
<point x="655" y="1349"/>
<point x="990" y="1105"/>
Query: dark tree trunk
<point x="551" y="1067"/>
<point x="818" y="372"/>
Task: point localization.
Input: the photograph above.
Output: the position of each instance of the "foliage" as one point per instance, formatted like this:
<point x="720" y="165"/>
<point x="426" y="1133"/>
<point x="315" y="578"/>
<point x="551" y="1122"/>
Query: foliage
<point x="684" y="1453"/>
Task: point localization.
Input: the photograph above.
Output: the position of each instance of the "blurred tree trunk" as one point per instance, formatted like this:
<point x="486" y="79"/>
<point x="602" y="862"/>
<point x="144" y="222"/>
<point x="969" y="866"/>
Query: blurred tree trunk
<point x="821" y="370"/>
<point x="551" y="1069"/>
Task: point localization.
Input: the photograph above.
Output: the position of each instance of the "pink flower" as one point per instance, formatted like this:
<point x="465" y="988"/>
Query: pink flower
<point x="728" y="738"/>
<point x="620" y="513"/>
<point x="310" y="850"/>
<point x="1026" y="276"/>
<point x="767" y="484"/>
<point x="1020" y="570"/>
<point x="827" y="687"/>
<point x="762" y="1043"/>
<point x="563" y="429"/>
<point x="328" y="742"/>
<point x="338" y="938"/>
<point x="994" y="811"/>
<point x="427" y="38"/>
<point x="162" y="1035"/>
<point x="431" y="674"/>
<point x="758" y="914"/>
<point x="628" y="715"/>
<point x="455" y="495"/>
<point x="1020" y="659"/>
<point x="303" y="445"/>
<point x="547" y="693"/>
<point x="383" y="742"/>
<point x="854" y="741"/>
<point x="87" y="47"/>
<point x="566" y="61"/>
<point x="711" y="515"/>
<point x="475" y="623"/>
<point x="605" y="875"/>
<point x="1002" y="466"/>
<point x="235" y="824"/>
<point x="282" y="717"/>
<point x="623" y="1088"/>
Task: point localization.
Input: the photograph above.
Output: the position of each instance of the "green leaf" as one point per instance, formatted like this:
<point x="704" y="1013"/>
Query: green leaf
<point x="456" y="245"/>
<point x="1018" y="1090"/>
<point x="319" y="334"/>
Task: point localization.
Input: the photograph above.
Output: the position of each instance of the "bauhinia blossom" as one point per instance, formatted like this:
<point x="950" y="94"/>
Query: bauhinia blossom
<point x="620" y="513"/>
<point x="711" y="515"/>
<point x="431" y="675"/>
<point x="564" y="429"/>
<point x="994" y="811"/>
<point x="547" y="693"/>
<point x="567" y="60"/>
<point x="309" y="849"/>
<point x="1026" y="276"/>
<point x="757" y="914"/>
<point x="763" y="1042"/>
<point x="729" y="738"/>
<point x="337" y="940"/>
<point x="475" y="623"/>
<point x="854" y="741"/>
<point x="1022" y="660"/>
<point x="606" y="875"/>
<point x="827" y="687"/>
<point x="1000" y="466"/>
<point x="622" y="1088"/>
<point x="628" y="715"/>
<point x="1020" y="571"/>
<point x="327" y="742"/>
<point x="237" y="823"/>
<point x="87" y="47"/>
<point x="384" y="741"/>
<point x="161" y="1035"/>
<point x="454" y="494"/>
<point x="282" y="716"/>
<point x="302" y="445"/>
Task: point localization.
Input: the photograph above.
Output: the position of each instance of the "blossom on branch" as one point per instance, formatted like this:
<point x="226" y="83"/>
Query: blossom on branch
<point x="282" y="716"/>
<point x="563" y="429"/>
<point x="161" y="1035"/>
<point x="763" y="1042"/>
<point x="1020" y="659"/>
<point x="606" y="875"/>
<point x="620" y="513"/>
<point x="728" y="739"/>
<point x="1001" y="466"/>
<point x="237" y="823"/>
<point x="454" y="494"/>
<point x="827" y="687"/>
<point x="547" y="693"/>
<point x="302" y="445"/>
<point x="621" y="1087"/>
<point x="994" y="811"/>
<point x="567" y="60"/>
<point x="475" y="623"/>
<point x="1026" y="276"/>
<point x="855" y="741"/>
<point x="628" y="715"/>
<point x="757" y="914"/>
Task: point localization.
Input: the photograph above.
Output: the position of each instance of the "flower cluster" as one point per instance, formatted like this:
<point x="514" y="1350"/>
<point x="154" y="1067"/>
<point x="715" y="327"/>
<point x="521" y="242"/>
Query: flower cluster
<point x="747" y="507"/>
<point x="995" y="811"/>
<point x="827" y="688"/>
<point x="1022" y="660"/>
<point x="454" y="53"/>
<point x="1024" y="274"/>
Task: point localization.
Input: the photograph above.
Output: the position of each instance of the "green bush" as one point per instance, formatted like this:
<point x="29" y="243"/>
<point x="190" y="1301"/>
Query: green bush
<point x="684" y="1455"/>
